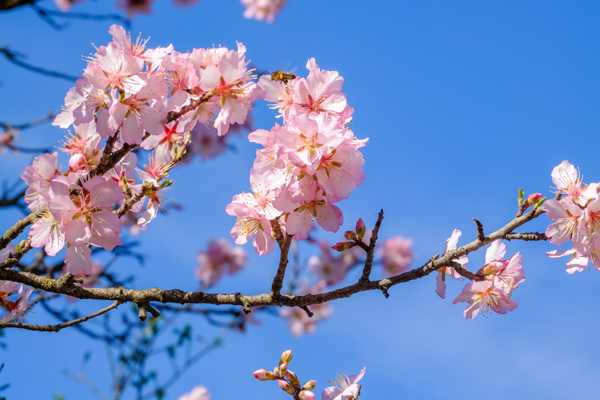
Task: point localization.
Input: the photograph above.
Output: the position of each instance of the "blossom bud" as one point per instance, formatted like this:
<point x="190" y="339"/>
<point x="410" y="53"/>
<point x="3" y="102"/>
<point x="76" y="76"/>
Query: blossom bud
<point x="350" y="235"/>
<point x="293" y="379"/>
<point x="286" y="357"/>
<point x="283" y="369"/>
<point x="286" y="387"/>
<point x="343" y="246"/>
<point x="276" y="373"/>
<point x="532" y="199"/>
<point x="360" y="229"/>
<point x="310" y="385"/>
<point x="306" y="395"/>
<point x="264" y="375"/>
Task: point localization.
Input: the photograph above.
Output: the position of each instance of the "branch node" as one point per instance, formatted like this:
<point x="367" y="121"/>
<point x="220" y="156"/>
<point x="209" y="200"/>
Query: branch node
<point x="245" y="302"/>
<point x="144" y="309"/>
<point x="384" y="290"/>
<point x="480" y="234"/>
<point x="307" y="311"/>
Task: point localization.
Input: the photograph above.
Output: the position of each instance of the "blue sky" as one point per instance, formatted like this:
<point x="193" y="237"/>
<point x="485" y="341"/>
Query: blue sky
<point x="463" y="103"/>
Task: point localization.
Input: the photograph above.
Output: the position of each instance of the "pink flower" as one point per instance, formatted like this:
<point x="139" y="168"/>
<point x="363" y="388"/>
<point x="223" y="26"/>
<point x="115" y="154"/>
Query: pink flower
<point x="232" y="83"/>
<point x="18" y="309"/>
<point x="484" y="297"/>
<point x="300" y="323"/>
<point x="38" y="176"/>
<point x="198" y="393"/>
<point x="329" y="268"/>
<point x="507" y="274"/>
<point x="262" y="9"/>
<point x="577" y="262"/>
<point x="250" y="224"/>
<point x="5" y="252"/>
<point x="112" y="68"/>
<point x="566" y="214"/>
<point x="141" y="111"/>
<point x="397" y="255"/>
<point x="47" y="233"/>
<point x="220" y="258"/>
<point x="568" y="181"/>
<point x="442" y="272"/>
<point x="345" y="388"/>
<point x="88" y="217"/>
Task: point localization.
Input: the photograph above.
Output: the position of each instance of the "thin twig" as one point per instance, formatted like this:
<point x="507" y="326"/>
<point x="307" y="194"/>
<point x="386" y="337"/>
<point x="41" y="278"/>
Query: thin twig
<point x="56" y="328"/>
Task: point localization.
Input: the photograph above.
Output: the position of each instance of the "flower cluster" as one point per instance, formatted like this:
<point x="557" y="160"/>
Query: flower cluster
<point x="309" y="163"/>
<point x="493" y="294"/>
<point x="220" y="258"/>
<point x="576" y="217"/>
<point x="287" y="380"/>
<point x="129" y="95"/>
<point x="343" y="388"/>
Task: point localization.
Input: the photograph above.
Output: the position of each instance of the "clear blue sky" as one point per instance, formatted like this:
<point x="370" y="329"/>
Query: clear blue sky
<point x="463" y="102"/>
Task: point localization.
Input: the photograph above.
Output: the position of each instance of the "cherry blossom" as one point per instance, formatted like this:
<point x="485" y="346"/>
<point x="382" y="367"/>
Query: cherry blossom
<point x="396" y="255"/>
<point x="483" y="296"/>
<point x="197" y="393"/>
<point x="220" y="258"/>
<point x="344" y="388"/>
<point x="263" y="9"/>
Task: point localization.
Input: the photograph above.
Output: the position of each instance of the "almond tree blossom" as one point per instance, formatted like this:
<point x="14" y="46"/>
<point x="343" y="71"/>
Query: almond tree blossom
<point x="397" y="255"/>
<point x="220" y="258"/>
<point x="484" y="297"/>
<point x="344" y="388"/>
<point x="576" y="218"/>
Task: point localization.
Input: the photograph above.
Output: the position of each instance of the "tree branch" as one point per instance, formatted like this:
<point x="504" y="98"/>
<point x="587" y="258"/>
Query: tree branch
<point x="371" y="251"/>
<point x="283" y="262"/>
<point x="56" y="328"/>
<point x="265" y="299"/>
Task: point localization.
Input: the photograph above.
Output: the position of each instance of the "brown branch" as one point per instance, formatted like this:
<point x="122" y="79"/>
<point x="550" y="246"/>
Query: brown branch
<point x="480" y="234"/>
<point x="173" y="115"/>
<point x="371" y="251"/>
<point x="528" y="237"/>
<point x="10" y="4"/>
<point x="129" y="203"/>
<point x="14" y="258"/>
<point x="283" y="262"/>
<point x="266" y="299"/>
<point x="17" y="228"/>
<point x="56" y="328"/>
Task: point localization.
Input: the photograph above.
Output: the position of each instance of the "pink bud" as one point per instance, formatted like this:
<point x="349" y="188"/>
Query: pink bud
<point x="283" y="369"/>
<point x="293" y="379"/>
<point x="286" y="357"/>
<point x="306" y="395"/>
<point x="310" y="385"/>
<point x="532" y="199"/>
<point x="343" y="246"/>
<point x="264" y="375"/>
<point x="360" y="228"/>
<point x="350" y="235"/>
<point x="286" y="387"/>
